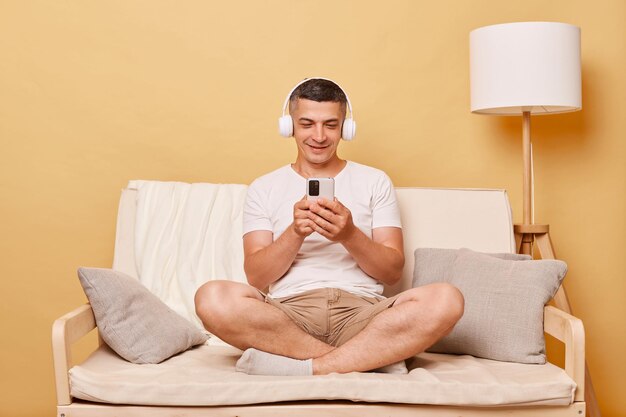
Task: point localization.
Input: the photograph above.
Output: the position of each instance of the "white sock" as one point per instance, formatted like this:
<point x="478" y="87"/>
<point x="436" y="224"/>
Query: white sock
<point x="257" y="362"/>
<point x="395" y="368"/>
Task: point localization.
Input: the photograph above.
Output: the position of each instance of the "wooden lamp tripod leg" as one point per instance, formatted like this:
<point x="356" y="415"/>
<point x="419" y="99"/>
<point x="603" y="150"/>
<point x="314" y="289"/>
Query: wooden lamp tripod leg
<point x="546" y="251"/>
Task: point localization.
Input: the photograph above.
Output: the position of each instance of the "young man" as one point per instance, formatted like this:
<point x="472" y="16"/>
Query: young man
<point x="325" y="264"/>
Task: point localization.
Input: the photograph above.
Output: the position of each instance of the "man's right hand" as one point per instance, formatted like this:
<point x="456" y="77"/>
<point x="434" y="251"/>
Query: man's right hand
<point x="302" y="225"/>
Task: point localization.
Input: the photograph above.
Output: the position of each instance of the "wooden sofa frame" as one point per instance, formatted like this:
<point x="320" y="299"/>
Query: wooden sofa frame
<point x="75" y="325"/>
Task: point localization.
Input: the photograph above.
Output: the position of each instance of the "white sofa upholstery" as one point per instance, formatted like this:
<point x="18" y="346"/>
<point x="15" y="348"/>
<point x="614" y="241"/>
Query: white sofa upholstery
<point x="204" y="378"/>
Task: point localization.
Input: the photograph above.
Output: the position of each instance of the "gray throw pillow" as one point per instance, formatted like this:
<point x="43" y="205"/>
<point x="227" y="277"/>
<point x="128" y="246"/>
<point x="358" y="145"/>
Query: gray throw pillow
<point x="134" y="322"/>
<point x="504" y="299"/>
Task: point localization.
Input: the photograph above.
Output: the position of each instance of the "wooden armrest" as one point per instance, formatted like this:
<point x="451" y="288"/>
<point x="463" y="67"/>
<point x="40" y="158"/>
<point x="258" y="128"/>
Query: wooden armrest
<point x="65" y="331"/>
<point x="569" y="330"/>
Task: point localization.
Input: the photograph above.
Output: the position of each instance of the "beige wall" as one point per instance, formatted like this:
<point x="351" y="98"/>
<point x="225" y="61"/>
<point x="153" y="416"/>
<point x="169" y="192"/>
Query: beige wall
<point x="93" y="94"/>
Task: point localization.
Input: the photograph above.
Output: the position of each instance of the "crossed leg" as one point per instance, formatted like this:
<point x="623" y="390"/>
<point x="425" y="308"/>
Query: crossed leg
<point x="420" y="316"/>
<point x="238" y="314"/>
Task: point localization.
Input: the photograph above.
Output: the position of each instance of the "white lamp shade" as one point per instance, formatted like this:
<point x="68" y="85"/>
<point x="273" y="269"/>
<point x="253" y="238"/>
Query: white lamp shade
<point x="526" y="66"/>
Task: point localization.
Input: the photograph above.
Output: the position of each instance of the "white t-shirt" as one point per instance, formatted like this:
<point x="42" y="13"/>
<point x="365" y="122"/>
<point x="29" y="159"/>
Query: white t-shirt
<point x="369" y="195"/>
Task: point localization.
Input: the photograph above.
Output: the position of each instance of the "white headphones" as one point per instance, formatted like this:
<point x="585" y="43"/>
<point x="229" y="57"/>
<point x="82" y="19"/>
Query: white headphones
<point x="285" y="122"/>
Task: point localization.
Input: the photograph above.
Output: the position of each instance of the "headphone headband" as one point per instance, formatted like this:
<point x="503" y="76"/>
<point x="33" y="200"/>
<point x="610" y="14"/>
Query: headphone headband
<point x="318" y="78"/>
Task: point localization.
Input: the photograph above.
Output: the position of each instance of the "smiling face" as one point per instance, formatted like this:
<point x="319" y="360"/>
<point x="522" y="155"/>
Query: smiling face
<point x="317" y="130"/>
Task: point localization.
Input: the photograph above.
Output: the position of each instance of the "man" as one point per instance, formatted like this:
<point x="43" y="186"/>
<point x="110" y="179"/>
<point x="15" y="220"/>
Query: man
<point x="325" y="263"/>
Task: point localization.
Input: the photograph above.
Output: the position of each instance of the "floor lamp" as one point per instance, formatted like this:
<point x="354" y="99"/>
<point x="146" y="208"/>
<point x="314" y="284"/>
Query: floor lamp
<point x="529" y="68"/>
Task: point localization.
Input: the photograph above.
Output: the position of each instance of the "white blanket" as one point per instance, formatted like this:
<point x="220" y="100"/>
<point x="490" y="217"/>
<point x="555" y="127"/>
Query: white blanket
<point x="185" y="235"/>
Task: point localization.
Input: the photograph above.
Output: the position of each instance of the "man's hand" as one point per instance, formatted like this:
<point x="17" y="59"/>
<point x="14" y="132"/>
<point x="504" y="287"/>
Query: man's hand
<point x="381" y="256"/>
<point x="302" y="224"/>
<point x="331" y="219"/>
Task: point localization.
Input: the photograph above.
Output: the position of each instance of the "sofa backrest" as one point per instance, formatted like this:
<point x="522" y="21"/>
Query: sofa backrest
<point x="479" y="219"/>
<point x="453" y="218"/>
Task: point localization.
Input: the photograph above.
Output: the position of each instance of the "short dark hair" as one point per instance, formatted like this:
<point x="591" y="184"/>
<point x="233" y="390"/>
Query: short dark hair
<point x="318" y="89"/>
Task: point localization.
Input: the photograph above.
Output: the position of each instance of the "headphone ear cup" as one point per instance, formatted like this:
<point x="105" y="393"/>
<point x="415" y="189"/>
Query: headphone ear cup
<point x="349" y="129"/>
<point x="285" y="126"/>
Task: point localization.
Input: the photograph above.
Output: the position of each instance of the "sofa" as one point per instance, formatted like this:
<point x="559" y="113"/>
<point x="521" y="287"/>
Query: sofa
<point x="173" y="236"/>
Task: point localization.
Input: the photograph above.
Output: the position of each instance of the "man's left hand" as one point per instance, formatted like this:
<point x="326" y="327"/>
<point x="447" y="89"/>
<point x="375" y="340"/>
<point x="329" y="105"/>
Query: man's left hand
<point x="332" y="220"/>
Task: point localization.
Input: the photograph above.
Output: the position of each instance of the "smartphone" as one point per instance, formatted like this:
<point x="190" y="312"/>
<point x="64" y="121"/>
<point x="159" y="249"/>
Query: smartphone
<point x="320" y="187"/>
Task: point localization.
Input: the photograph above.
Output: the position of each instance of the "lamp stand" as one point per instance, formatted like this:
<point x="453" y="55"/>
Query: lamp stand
<point x="528" y="233"/>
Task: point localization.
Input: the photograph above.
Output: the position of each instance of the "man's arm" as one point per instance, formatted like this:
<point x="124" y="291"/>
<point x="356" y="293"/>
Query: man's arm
<point x="266" y="260"/>
<point x="381" y="257"/>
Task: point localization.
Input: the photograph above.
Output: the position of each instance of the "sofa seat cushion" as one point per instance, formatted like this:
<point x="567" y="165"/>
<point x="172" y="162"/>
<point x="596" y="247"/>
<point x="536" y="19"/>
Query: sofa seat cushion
<point x="206" y="375"/>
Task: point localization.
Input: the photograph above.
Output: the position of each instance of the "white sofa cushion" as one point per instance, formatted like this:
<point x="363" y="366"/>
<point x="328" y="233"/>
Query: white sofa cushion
<point x="206" y="375"/>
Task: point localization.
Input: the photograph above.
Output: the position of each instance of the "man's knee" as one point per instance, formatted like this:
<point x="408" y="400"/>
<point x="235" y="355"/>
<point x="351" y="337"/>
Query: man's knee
<point x="441" y="302"/>
<point x="214" y="301"/>
<point x="448" y="304"/>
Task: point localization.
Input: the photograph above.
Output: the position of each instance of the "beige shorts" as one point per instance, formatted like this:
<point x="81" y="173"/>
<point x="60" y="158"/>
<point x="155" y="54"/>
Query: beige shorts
<point x="331" y="315"/>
